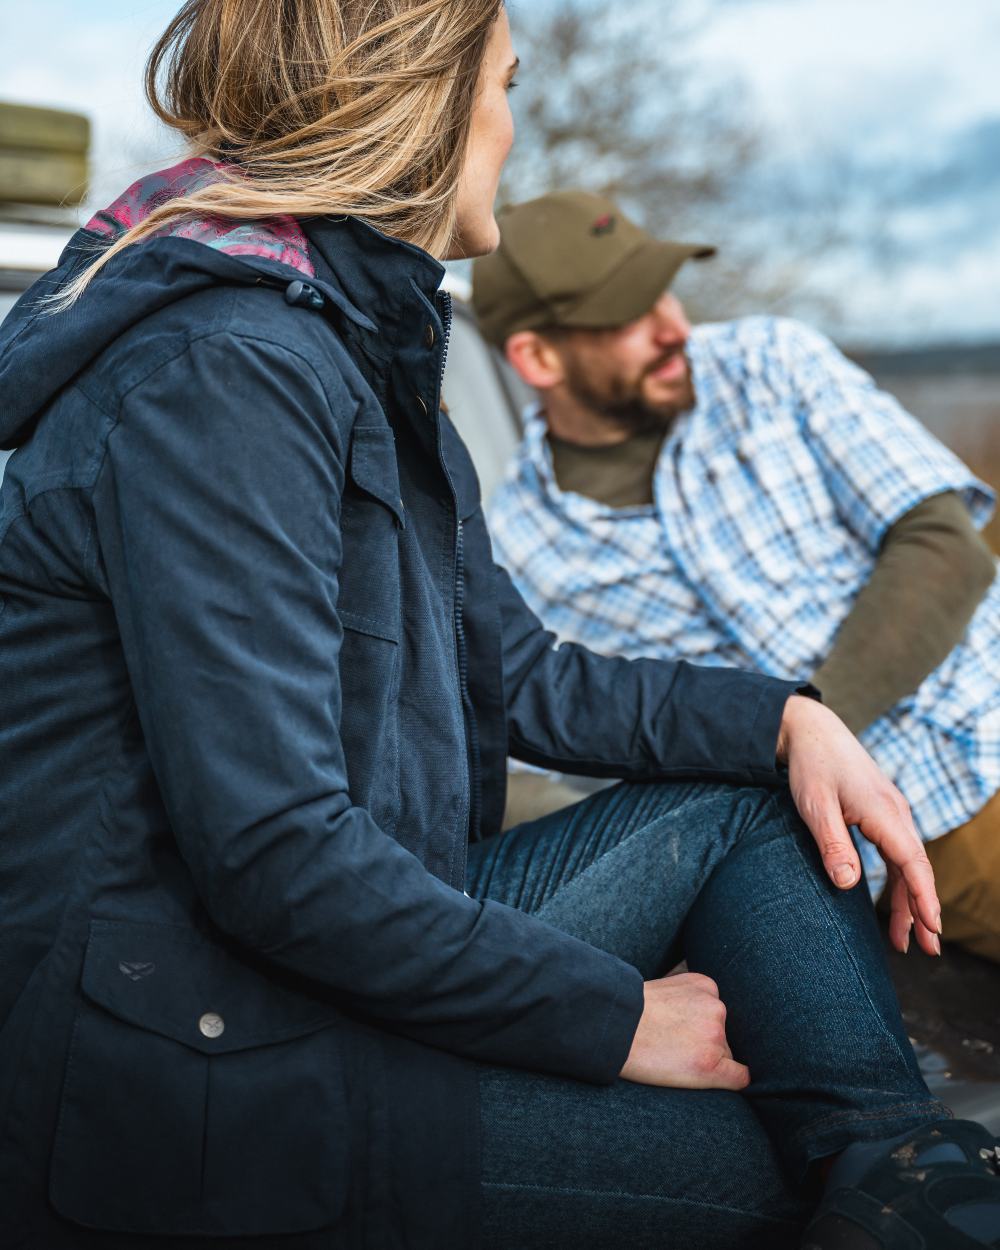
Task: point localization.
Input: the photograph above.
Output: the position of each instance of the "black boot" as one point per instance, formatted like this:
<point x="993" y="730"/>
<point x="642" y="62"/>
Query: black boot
<point x="935" y="1188"/>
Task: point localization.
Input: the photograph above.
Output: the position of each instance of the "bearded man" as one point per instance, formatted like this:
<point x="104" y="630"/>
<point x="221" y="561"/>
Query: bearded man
<point x="741" y="494"/>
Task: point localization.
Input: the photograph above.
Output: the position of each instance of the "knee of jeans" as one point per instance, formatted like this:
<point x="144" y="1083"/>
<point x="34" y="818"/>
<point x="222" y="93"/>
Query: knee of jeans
<point x="731" y="815"/>
<point x="773" y="811"/>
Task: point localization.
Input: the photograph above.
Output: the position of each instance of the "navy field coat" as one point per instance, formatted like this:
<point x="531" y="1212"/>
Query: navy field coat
<point x="258" y="677"/>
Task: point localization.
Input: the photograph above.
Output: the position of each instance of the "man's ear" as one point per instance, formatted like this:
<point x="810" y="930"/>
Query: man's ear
<point x="535" y="360"/>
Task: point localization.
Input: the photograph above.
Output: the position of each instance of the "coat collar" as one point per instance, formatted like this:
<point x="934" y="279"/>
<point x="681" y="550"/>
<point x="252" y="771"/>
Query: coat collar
<point x="386" y="280"/>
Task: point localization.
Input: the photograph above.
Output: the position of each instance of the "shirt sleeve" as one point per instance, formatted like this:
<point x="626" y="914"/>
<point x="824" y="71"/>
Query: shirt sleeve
<point x="878" y="461"/>
<point x="217" y="515"/>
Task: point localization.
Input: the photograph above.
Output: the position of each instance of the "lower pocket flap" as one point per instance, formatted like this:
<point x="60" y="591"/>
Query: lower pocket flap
<point x="175" y="982"/>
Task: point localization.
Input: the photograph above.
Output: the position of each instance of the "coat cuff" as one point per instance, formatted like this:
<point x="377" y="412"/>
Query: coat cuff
<point x="603" y="1042"/>
<point x="766" y="727"/>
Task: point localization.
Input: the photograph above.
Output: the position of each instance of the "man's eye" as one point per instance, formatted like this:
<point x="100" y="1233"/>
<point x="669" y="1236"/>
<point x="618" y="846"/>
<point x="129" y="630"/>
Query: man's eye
<point x="512" y="84"/>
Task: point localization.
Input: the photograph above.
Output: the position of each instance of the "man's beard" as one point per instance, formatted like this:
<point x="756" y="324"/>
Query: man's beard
<point x="621" y="402"/>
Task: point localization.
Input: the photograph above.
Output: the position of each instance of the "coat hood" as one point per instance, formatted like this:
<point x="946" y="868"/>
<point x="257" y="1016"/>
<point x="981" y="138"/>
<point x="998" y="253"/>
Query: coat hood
<point x="41" y="351"/>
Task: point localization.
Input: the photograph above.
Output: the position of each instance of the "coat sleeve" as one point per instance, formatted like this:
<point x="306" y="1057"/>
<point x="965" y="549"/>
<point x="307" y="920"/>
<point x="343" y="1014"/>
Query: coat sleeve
<point x="578" y="712"/>
<point x="218" y="541"/>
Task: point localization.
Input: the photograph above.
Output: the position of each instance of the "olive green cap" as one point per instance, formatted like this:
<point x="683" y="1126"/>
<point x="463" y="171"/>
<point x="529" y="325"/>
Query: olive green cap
<point x="572" y="259"/>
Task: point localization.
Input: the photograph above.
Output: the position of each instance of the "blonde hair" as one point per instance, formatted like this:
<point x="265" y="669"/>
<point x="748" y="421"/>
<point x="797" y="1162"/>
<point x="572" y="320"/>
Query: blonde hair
<point x="356" y="107"/>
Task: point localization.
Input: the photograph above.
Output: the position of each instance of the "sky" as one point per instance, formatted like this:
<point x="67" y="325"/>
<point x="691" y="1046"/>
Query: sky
<point x="909" y="87"/>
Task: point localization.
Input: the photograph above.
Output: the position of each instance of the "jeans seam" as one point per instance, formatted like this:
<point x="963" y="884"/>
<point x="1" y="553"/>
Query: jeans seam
<point x="625" y="1193"/>
<point x="844" y="1119"/>
<point x="835" y="923"/>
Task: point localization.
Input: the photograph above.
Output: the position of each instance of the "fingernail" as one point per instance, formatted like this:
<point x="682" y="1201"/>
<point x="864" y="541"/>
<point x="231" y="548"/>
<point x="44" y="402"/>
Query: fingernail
<point x="939" y="929"/>
<point x="906" y="943"/>
<point x="937" y="946"/>
<point x="843" y="874"/>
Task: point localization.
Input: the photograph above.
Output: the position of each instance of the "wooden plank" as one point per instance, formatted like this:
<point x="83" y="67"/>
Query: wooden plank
<point x="43" y="130"/>
<point x="42" y="177"/>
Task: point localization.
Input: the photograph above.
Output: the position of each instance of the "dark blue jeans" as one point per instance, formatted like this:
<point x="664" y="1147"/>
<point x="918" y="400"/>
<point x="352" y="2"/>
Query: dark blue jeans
<point x="730" y="880"/>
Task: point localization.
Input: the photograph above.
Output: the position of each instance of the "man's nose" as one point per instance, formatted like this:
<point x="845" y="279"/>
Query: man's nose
<point x="670" y="324"/>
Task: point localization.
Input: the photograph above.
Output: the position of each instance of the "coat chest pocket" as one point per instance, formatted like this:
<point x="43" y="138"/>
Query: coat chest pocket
<point x="371" y="519"/>
<point x="199" y="1098"/>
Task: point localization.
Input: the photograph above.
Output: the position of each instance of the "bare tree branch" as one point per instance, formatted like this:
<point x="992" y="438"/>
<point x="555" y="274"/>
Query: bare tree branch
<point x="616" y="101"/>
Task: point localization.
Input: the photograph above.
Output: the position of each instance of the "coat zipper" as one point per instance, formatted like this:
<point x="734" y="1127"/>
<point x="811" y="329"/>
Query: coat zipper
<point x="468" y="719"/>
<point x="471" y="728"/>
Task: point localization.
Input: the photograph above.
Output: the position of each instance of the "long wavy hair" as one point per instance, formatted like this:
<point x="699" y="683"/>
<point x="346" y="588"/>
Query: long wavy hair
<point x="357" y="107"/>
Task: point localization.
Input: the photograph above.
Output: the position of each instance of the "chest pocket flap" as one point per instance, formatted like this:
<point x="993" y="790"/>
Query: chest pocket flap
<point x="179" y="985"/>
<point x="373" y="467"/>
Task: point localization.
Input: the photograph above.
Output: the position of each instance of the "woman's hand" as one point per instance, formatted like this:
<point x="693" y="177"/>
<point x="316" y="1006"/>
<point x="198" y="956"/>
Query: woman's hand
<point x="681" y="1038"/>
<point x="836" y="783"/>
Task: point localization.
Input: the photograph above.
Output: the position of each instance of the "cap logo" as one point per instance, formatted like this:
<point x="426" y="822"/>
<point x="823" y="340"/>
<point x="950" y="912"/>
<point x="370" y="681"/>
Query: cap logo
<point x="604" y="225"/>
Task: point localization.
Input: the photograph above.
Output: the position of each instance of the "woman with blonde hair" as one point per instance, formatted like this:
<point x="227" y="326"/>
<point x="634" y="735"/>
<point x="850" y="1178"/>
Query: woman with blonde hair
<point x="260" y="678"/>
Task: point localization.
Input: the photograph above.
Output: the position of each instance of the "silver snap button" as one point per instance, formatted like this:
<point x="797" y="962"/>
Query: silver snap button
<point x="429" y="336"/>
<point x="211" y="1025"/>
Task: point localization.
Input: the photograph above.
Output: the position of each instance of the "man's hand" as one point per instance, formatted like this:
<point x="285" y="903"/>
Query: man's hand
<point x="836" y="783"/>
<point x="681" y="1038"/>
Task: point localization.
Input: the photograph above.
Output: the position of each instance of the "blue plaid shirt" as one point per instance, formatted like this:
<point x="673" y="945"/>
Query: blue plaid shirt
<point x="772" y="497"/>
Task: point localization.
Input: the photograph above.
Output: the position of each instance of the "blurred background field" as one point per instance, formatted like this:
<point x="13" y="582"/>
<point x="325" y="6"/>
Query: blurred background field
<point x="843" y="155"/>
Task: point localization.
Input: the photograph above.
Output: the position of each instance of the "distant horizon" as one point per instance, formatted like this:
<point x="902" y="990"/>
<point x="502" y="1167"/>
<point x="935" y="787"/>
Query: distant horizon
<point x="933" y="356"/>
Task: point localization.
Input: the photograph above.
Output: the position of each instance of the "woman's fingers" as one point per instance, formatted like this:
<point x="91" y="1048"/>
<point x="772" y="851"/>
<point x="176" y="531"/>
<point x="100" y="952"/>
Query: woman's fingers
<point x="681" y="1037"/>
<point x="913" y="900"/>
<point x="836" y="783"/>
<point x="927" y="939"/>
<point x="890" y="827"/>
<point x="928" y="942"/>
<point x="826" y="823"/>
<point x="903" y="917"/>
<point x="729" y="1074"/>
<point x="900" y="915"/>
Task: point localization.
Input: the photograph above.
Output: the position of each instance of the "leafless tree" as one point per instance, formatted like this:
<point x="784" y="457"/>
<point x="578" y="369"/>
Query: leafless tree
<point x="615" y="100"/>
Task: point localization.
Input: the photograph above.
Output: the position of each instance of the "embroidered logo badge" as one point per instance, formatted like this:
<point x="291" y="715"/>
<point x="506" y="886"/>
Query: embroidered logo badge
<point x="604" y="225"/>
<point x="136" y="971"/>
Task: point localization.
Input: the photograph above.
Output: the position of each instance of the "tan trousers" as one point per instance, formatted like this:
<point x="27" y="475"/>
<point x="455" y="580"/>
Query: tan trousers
<point x="967" y="870"/>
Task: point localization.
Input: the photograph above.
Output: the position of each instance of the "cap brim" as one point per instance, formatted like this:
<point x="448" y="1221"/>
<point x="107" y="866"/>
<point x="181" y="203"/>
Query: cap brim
<point x="634" y="286"/>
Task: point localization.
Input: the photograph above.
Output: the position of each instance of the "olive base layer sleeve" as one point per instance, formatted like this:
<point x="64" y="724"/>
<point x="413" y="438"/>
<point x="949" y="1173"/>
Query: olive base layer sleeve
<point x="932" y="572"/>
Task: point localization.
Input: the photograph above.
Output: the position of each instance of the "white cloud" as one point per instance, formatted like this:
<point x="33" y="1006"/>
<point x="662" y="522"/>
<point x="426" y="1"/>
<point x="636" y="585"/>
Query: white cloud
<point x="930" y="302"/>
<point x="860" y="70"/>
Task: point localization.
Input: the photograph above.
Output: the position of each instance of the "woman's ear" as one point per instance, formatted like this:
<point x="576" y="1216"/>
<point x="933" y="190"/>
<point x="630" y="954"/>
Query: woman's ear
<point x="535" y="359"/>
